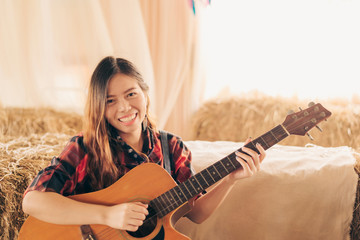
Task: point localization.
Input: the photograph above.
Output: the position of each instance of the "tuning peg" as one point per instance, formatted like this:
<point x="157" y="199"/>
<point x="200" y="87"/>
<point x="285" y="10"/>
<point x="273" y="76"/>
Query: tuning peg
<point x="311" y="104"/>
<point x="300" y="108"/>
<point x="290" y="112"/>
<point x="318" y="128"/>
<point x="311" y="138"/>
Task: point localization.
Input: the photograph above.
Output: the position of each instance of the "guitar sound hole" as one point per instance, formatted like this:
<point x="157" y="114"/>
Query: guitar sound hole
<point x="148" y="226"/>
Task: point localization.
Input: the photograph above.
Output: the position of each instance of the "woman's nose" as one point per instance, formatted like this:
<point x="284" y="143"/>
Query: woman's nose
<point x="124" y="106"/>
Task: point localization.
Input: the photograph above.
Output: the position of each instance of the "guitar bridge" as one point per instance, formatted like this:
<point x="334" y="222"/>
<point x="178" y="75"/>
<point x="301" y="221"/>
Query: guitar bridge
<point x="87" y="233"/>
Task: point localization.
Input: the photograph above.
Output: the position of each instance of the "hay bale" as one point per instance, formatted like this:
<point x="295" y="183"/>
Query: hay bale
<point x="236" y="119"/>
<point x="29" y="138"/>
<point x="355" y="224"/>
<point x="23" y="122"/>
<point x="21" y="159"/>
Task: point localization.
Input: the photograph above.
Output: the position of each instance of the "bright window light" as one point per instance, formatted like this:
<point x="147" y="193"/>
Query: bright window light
<point x="308" y="48"/>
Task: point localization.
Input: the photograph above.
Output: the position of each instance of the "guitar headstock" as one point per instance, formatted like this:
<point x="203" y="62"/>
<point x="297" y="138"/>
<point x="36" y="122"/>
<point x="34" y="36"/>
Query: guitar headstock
<point x="301" y="122"/>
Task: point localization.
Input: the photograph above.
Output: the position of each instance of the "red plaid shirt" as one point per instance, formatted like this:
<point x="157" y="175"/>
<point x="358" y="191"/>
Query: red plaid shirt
<point x="67" y="174"/>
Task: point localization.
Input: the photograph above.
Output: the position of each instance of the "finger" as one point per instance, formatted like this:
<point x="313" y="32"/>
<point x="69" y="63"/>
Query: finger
<point x="249" y="151"/>
<point x="248" y="140"/>
<point x="252" y="158"/>
<point x="245" y="166"/>
<point x="140" y="208"/>
<point x="256" y="158"/>
<point x="262" y="151"/>
<point x="135" y="222"/>
<point x="138" y="216"/>
<point x="141" y="203"/>
<point x="249" y="161"/>
<point x="131" y="228"/>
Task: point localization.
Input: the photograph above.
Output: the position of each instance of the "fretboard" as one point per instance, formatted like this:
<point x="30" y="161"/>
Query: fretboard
<point x="175" y="197"/>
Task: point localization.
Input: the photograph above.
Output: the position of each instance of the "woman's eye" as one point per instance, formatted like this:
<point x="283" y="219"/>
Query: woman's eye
<point x="132" y="94"/>
<point x="109" y="101"/>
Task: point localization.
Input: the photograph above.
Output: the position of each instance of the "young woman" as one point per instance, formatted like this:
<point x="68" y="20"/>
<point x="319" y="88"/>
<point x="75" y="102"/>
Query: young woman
<point x="118" y="135"/>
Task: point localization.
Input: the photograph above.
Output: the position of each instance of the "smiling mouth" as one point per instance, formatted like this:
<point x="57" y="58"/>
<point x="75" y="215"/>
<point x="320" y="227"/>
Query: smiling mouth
<point x="128" y="118"/>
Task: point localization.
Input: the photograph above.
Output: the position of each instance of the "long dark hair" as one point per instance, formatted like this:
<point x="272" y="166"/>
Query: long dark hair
<point x="97" y="132"/>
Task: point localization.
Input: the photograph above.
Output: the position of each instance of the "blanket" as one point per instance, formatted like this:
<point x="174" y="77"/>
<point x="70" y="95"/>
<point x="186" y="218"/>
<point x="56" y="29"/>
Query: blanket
<point x="300" y="193"/>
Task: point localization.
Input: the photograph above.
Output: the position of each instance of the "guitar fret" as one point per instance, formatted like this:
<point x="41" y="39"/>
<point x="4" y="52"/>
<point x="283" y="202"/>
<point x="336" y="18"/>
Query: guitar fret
<point x="184" y="183"/>
<point x="210" y="175"/>
<point x="268" y="139"/>
<point x="224" y="166"/>
<point x="181" y="193"/>
<point x="264" y="142"/>
<point x="190" y="181"/>
<point x="157" y="204"/>
<point x="223" y="170"/>
<point x="170" y="200"/>
<point x="234" y="161"/>
<point x="164" y="201"/>
<point x="204" y="178"/>
<point x="187" y="196"/>
<point x="274" y="136"/>
<point x="197" y="181"/>
<point x="198" y="188"/>
<point x="176" y="197"/>
<point x="216" y="169"/>
<point x="231" y="162"/>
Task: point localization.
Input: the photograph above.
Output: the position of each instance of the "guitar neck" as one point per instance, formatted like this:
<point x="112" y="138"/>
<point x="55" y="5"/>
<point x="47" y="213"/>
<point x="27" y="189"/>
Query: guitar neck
<point x="196" y="184"/>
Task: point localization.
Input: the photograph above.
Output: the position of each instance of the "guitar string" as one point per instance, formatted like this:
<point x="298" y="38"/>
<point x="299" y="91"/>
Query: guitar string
<point x="108" y="232"/>
<point x="232" y="158"/>
<point x="282" y="133"/>
<point x="176" y="202"/>
<point x="179" y="202"/>
<point x="164" y="210"/>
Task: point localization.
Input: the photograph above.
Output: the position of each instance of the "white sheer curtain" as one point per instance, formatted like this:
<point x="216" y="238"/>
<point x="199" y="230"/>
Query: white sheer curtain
<point x="50" y="48"/>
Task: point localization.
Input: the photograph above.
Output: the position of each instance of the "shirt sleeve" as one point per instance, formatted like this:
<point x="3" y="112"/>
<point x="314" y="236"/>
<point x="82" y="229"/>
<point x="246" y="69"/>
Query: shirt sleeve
<point x="60" y="176"/>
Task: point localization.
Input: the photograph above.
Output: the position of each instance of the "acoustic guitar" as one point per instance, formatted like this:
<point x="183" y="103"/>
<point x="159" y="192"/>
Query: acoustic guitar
<point x="150" y="183"/>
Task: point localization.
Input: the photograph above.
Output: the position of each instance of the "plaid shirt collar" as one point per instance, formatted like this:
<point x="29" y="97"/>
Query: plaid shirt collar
<point x="150" y="143"/>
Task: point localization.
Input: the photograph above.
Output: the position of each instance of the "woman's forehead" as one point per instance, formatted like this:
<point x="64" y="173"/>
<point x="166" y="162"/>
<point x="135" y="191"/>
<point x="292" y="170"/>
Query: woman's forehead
<point x="121" y="83"/>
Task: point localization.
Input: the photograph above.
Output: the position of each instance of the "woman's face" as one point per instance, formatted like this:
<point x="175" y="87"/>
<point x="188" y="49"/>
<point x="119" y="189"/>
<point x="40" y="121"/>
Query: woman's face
<point x="125" y="105"/>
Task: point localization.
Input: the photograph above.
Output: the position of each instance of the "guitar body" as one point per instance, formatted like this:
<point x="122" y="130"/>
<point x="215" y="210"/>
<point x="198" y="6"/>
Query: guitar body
<point x="143" y="183"/>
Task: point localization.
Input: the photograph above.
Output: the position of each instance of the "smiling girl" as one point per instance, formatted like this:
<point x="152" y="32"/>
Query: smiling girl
<point x="118" y="135"/>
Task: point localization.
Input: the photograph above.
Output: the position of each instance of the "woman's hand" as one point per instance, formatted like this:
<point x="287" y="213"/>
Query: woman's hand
<point x="250" y="163"/>
<point x="126" y="216"/>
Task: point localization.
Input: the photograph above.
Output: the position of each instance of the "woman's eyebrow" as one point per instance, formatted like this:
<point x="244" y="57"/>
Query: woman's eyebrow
<point x="130" y="89"/>
<point x="126" y="91"/>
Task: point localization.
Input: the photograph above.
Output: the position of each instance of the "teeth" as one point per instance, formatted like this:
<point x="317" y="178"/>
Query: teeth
<point x="127" y="119"/>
